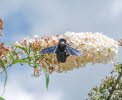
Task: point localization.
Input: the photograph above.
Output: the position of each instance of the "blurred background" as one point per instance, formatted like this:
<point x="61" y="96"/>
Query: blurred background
<point x="49" y="17"/>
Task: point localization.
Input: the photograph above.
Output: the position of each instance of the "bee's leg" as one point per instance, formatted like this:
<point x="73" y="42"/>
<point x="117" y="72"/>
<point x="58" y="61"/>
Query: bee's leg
<point x="67" y="54"/>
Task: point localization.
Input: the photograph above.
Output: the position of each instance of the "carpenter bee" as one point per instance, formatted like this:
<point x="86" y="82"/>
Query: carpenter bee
<point x="62" y="51"/>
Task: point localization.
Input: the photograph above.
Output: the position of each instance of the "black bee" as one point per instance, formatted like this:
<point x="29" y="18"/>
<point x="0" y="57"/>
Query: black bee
<point x="62" y="51"/>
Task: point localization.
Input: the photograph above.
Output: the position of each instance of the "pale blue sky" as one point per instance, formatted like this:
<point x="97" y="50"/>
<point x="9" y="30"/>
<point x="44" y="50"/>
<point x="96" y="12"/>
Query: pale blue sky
<point x="24" y="18"/>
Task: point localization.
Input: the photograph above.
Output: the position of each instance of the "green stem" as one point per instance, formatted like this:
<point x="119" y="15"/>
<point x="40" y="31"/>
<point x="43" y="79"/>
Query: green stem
<point x="4" y="70"/>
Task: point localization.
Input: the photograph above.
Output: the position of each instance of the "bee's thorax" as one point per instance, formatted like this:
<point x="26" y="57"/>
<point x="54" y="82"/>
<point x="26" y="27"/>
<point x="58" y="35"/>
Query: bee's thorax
<point x="61" y="48"/>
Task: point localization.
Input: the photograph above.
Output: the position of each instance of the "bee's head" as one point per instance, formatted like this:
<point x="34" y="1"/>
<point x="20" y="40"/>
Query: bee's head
<point x="62" y="42"/>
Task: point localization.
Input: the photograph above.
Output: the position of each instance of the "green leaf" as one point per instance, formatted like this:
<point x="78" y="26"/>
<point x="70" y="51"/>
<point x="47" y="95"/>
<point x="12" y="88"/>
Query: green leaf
<point x="20" y="60"/>
<point x="6" y="77"/>
<point x="2" y="63"/>
<point x="46" y="76"/>
<point x="11" y="55"/>
<point x="47" y="79"/>
<point x="24" y="61"/>
<point x="21" y="48"/>
<point x="2" y="98"/>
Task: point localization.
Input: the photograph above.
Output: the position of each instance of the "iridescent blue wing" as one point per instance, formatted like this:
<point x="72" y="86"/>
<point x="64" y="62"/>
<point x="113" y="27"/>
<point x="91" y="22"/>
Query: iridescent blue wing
<point x="48" y="50"/>
<point x="72" y="51"/>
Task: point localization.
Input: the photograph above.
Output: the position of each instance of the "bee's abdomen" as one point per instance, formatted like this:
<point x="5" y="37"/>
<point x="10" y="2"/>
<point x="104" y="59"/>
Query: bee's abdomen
<point x="61" y="56"/>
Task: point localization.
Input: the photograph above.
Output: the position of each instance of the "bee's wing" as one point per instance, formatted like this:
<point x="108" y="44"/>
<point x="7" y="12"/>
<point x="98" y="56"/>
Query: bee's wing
<point x="48" y="50"/>
<point x="72" y="51"/>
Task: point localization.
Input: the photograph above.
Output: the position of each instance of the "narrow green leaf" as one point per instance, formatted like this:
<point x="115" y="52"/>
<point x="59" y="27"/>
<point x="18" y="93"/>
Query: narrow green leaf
<point x="6" y="77"/>
<point x="23" y="61"/>
<point x="20" y="60"/>
<point x="47" y="79"/>
<point x="11" y="55"/>
<point x="2" y="98"/>
<point x="2" y="63"/>
<point x="21" y="48"/>
<point x="46" y="76"/>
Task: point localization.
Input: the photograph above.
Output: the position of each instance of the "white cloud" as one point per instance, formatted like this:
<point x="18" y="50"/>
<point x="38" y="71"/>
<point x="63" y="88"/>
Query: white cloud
<point x="51" y="96"/>
<point x="44" y="16"/>
<point x="16" y="93"/>
<point x="18" y="88"/>
<point x="6" y="8"/>
<point x="116" y="7"/>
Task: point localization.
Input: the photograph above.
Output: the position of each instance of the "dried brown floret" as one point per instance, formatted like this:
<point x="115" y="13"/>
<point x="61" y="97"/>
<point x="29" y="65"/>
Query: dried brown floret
<point x="3" y="50"/>
<point x="1" y="24"/>
<point x="120" y="42"/>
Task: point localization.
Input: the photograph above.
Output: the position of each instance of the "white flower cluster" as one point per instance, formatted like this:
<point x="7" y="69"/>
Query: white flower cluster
<point x="95" y="48"/>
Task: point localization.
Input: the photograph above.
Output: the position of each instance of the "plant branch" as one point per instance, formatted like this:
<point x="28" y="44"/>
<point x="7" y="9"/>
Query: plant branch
<point x="114" y="87"/>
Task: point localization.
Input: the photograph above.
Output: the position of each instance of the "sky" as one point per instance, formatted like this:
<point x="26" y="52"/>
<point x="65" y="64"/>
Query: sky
<point x="49" y="17"/>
